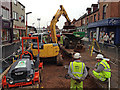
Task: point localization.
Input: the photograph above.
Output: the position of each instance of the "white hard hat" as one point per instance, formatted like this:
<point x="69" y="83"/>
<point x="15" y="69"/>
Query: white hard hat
<point x="99" y="56"/>
<point x="77" y="55"/>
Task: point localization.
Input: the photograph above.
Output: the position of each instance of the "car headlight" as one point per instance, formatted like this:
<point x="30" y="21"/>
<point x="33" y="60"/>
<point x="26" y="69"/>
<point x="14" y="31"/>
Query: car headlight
<point x="7" y="79"/>
<point x="31" y="76"/>
<point x="11" y="81"/>
<point x="28" y="79"/>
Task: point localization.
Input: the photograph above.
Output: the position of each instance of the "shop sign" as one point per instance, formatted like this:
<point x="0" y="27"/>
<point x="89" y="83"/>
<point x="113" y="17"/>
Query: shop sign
<point x="18" y="27"/>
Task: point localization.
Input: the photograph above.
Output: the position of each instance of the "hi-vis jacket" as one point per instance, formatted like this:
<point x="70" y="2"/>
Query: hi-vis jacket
<point x="77" y="70"/>
<point x="105" y="70"/>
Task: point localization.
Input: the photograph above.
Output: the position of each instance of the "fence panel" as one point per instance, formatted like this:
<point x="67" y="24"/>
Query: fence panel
<point x="110" y="51"/>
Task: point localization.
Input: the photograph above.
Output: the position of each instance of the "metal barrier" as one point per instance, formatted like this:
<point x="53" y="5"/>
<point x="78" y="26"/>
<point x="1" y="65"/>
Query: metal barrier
<point x="110" y="51"/>
<point x="7" y="53"/>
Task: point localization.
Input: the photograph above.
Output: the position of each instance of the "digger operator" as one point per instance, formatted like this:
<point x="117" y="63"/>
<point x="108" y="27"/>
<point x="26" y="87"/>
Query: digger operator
<point x="78" y="72"/>
<point x="102" y="69"/>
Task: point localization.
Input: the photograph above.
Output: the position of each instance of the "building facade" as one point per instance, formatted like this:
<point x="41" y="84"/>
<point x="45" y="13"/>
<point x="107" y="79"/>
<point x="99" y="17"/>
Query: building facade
<point x="6" y="22"/>
<point x="101" y="19"/>
<point x="18" y="14"/>
<point x="12" y="14"/>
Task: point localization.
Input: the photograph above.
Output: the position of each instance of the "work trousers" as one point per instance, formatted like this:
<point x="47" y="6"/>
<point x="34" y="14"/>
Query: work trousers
<point x="75" y="85"/>
<point x="99" y="76"/>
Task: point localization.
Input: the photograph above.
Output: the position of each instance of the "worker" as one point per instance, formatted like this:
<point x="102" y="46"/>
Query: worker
<point x="102" y="69"/>
<point x="61" y="40"/>
<point x="48" y="38"/>
<point x="106" y="38"/>
<point x="78" y="72"/>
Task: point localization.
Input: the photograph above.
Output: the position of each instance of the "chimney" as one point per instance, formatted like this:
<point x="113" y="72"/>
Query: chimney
<point x="94" y="7"/>
<point x="88" y="10"/>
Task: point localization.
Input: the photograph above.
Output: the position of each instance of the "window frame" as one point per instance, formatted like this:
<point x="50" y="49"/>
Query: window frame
<point x="104" y="11"/>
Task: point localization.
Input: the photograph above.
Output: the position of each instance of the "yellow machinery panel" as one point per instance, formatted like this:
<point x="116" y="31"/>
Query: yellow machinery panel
<point x="49" y="50"/>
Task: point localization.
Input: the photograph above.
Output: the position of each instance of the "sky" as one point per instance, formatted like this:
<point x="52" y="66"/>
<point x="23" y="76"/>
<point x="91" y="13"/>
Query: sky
<point x="46" y="9"/>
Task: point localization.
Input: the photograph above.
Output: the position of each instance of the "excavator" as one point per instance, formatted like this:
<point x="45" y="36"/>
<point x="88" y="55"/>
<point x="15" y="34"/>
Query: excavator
<point x="50" y="50"/>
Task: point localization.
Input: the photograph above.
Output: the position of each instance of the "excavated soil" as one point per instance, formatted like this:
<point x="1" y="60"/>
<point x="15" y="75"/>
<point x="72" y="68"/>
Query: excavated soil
<point x="54" y="76"/>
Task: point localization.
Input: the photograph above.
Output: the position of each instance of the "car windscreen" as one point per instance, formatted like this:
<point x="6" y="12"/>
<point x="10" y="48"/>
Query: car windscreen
<point x="35" y="40"/>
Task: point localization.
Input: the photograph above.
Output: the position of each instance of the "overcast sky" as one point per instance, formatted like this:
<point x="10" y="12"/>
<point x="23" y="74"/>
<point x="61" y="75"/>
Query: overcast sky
<point x="46" y="9"/>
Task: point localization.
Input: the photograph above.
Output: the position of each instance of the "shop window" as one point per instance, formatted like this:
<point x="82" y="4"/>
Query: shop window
<point x="5" y="35"/>
<point x="23" y="33"/>
<point x="93" y="35"/>
<point x="111" y="37"/>
<point x="104" y="11"/>
<point x="102" y="33"/>
<point x="16" y="34"/>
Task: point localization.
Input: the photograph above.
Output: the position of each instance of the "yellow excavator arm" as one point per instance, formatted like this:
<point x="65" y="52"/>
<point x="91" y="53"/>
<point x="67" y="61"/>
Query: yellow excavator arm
<point x="55" y="19"/>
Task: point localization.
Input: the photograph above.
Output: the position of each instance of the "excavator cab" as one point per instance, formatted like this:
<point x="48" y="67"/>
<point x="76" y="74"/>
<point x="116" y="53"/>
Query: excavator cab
<point x="47" y="49"/>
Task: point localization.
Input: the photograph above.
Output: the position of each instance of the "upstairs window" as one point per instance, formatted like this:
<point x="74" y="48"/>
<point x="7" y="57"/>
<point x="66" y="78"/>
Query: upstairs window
<point x="15" y="2"/>
<point x="91" y="19"/>
<point x="98" y="16"/>
<point x="95" y="18"/>
<point x="104" y="11"/>
<point x="22" y="18"/>
<point x="15" y="16"/>
<point x="5" y="13"/>
<point x="22" y="7"/>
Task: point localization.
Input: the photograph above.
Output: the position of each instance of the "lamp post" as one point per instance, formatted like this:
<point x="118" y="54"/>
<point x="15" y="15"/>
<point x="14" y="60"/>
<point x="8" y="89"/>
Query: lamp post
<point x="39" y="22"/>
<point x="26" y="21"/>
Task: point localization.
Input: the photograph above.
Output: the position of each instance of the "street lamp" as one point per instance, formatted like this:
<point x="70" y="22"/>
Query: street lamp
<point x="26" y="21"/>
<point x="39" y="22"/>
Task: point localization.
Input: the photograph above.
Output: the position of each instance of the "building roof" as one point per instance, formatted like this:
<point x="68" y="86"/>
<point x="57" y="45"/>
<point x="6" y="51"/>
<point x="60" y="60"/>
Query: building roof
<point x="21" y="4"/>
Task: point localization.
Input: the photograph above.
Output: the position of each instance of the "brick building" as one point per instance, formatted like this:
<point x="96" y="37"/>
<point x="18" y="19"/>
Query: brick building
<point x="100" y="19"/>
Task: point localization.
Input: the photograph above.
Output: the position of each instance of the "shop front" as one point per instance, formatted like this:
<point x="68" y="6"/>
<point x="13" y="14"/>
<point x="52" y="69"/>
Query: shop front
<point x="6" y="31"/>
<point x="107" y="30"/>
<point x="18" y="32"/>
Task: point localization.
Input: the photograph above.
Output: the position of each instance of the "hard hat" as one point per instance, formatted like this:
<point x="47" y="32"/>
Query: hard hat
<point x="29" y="35"/>
<point x="77" y="55"/>
<point x="99" y="56"/>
